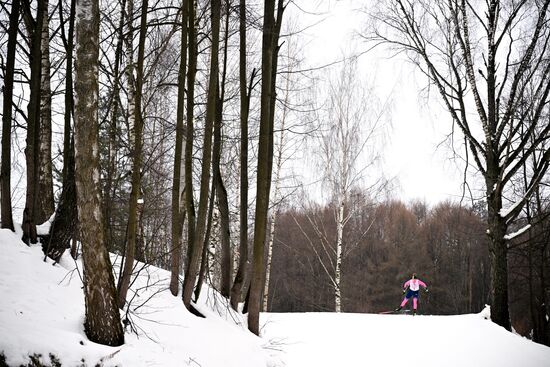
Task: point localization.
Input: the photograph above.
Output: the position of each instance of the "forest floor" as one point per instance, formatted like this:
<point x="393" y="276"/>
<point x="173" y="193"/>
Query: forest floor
<point x="42" y="313"/>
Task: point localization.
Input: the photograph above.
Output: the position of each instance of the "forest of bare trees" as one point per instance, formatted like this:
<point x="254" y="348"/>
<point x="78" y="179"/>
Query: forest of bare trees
<point x="162" y="133"/>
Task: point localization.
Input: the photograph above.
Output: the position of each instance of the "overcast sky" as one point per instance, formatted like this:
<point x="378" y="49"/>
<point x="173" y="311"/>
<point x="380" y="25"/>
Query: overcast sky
<point x="413" y="151"/>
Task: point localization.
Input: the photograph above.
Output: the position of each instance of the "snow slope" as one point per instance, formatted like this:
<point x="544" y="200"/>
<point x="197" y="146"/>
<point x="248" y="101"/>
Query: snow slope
<point x="42" y="311"/>
<point x="329" y="340"/>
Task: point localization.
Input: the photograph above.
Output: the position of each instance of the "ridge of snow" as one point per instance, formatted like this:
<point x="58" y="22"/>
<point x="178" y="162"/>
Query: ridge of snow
<point x="517" y="233"/>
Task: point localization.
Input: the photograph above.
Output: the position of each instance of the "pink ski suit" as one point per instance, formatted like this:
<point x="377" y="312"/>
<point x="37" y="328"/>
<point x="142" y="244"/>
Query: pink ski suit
<point x="414" y="286"/>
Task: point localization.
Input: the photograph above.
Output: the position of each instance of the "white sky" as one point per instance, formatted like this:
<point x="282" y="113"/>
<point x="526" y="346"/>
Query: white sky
<point x="423" y="170"/>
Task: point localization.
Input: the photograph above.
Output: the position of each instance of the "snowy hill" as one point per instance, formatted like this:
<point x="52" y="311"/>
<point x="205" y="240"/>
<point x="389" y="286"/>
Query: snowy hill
<point x="42" y="310"/>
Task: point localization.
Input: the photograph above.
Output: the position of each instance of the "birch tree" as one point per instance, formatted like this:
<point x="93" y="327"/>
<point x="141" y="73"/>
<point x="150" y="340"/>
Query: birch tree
<point x="45" y="176"/>
<point x="102" y="319"/>
<point x="481" y="57"/>
<point x="350" y="125"/>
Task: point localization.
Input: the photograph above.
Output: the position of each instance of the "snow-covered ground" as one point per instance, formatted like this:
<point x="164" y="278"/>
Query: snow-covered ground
<point x="42" y="311"/>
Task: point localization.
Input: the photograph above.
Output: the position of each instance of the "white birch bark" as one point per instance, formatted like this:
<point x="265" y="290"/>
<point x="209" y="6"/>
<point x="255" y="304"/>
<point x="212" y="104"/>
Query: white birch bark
<point x="45" y="194"/>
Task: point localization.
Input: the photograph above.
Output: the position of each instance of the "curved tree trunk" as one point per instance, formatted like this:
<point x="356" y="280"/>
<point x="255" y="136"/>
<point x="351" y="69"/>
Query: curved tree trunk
<point x="237" y="289"/>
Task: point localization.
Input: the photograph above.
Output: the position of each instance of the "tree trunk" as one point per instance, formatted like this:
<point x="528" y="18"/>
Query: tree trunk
<point x="33" y="130"/>
<point x="198" y="240"/>
<point x="338" y="269"/>
<point x="5" y="172"/>
<point x="65" y="224"/>
<point x="102" y="319"/>
<point x="221" y="192"/>
<point x="497" y="249"/>
<point x="177" y="222"/>
<point x="237" y="289"/>
<point x="264" y="174"/>
<point x="45" y="176"/>
<point x="276" y="196"/>
<point x="205" y="265"/>
<point x="109" y="189"/>
<point x="188" y="189"/>
<point x="135" y="194"/>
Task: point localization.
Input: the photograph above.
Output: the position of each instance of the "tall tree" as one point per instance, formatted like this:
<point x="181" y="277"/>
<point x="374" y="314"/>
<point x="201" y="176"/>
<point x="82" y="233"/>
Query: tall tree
<point x="33" y="122"/>
<point x="136" y="139"/>
<point x="177" y="192"/>
<point x="482" y="58"/>
<point x="64" y="227"/>
<point x="349" y="128"/>
<point x="110" y="186"/>
<point x="189" y="131"/>
<point x="237" y="289"/>
<point x="5" y="174"/>
<point x="226" y="263"/>
<point x="200" y="229"/>
<point x="270" y="41"/>
<point x="102" y="318"/>
<point x="45" y="176"/>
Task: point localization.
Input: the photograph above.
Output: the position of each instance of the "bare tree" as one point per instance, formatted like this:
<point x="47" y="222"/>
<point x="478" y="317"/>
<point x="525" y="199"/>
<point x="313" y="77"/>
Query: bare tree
<point x="45" y="176"/>
<point x="198" y="237"/>
<point x="33" y="121"/>
<point x="178" y="212"/>
<point x="481" y="56"/>
<point x="270" y="47"/>
<point x="351" y="123"/>
<point x="238" y="284"/>
<point x="5" y="175"/>
<point x="102" y="319"/>
<point x="136" y="139"/>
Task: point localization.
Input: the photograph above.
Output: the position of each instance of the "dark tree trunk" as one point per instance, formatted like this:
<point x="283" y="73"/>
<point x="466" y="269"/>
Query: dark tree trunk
<point x="5" y="173"/>
<point x="65" y="224"/>
<point x="198" y="240"/>
<point x="136" y="169"/>
<point x="264" y="174"/>
<point x="33" y="128"/>
<point x="102" y="318"/>
<point x="237" y="289"/>
<point x="188" y="190"/>
<point x="109" y="189"/>
<point x="221" y="192"/>
<point x="204" y="268"/>
<point x="177" y="216"/>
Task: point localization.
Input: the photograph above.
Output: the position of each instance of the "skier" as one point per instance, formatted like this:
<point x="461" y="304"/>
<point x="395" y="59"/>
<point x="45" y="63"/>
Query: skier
<point x="414" y="286"/>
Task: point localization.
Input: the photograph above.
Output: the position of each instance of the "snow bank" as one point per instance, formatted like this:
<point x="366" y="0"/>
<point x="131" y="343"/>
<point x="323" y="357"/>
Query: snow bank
<point x="42" y="311"/>
<point x="330" y="340"/>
